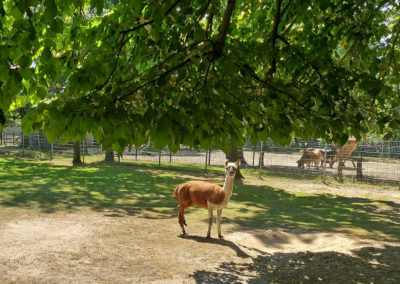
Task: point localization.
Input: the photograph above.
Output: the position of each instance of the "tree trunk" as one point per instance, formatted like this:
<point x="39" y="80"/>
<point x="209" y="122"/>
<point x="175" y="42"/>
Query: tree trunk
<point x="233" y="156"/>
<point x="241" y="157"/>
<point x="77" y="154"/>
<point x="109" y="156"/>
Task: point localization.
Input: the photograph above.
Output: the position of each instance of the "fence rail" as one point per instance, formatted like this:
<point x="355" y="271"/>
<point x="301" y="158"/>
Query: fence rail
<point x="380" y="161"/>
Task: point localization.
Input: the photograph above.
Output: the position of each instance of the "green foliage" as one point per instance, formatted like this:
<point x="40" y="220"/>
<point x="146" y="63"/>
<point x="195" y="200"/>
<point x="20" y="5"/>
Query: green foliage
<point x="182" y="72"/>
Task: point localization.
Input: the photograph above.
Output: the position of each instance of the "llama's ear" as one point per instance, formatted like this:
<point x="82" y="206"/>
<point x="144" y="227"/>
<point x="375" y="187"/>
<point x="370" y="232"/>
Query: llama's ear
<point x="238" y="163"/>
<point x="226" y="163"/>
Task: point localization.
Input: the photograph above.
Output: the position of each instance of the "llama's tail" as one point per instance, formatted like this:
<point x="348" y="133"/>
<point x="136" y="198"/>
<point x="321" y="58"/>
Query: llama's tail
<point x="176" y="190"/>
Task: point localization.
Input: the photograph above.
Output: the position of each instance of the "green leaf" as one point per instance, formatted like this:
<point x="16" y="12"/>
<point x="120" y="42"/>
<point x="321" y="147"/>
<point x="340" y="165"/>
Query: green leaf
<point x="27" y="121"/>
<point x="24" y="61"/>
<point x="16" y="13"/>
<point x="137" y="5"/>
<point x="4" y="72"/>
<point x="199" y="34"/>
<point x="41" y="93"/>
<point x="173" y="148"/>
<point x="154" y="34"/>
<point x="98" y="4"/>
<point x="57" y="26"/>
<point x="16" y="53"/>
<point x="51" y="133"/>
<point x="51" y="10"/>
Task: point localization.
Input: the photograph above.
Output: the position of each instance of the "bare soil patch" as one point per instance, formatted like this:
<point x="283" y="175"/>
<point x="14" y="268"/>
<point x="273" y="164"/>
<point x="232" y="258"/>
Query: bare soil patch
<point x="88" y="247"/>
<point x="115" y="247"/>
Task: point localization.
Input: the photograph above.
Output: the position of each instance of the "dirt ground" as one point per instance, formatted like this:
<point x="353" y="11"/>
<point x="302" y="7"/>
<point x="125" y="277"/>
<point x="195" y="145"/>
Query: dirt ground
<point x="113" y="247"/>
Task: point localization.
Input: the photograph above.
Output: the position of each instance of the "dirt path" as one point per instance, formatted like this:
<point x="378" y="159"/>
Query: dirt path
<point x="93" y="247"/>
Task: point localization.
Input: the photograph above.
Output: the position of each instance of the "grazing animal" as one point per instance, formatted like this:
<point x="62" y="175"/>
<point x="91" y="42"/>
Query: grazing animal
<point x="330" y="156"/>
<point x="206" y="195"/>
<point x="310" y="156"/>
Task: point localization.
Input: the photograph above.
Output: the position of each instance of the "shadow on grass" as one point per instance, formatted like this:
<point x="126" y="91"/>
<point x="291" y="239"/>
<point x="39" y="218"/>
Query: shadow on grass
<point x="142" y="189"/>
<point x="99" y="187"/>
<point x="270" y="208"/>
<point x="367" y="265"/>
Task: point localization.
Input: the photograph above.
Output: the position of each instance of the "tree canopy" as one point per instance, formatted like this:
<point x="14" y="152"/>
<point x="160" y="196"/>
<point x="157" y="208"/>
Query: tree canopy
<point x="201" y="73"/>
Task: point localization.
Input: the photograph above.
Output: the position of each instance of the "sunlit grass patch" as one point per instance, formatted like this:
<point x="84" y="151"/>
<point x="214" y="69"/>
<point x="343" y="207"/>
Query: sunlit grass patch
<point x="144" y="189"/>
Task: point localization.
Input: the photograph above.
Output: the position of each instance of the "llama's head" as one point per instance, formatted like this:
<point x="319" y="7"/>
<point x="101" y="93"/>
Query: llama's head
<point x="300" y="163"/>
<point x="231" y="167"/>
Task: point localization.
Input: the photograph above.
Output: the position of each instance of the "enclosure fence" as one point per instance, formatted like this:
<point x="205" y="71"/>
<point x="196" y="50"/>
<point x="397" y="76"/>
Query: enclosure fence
<point x="378" y="161"/>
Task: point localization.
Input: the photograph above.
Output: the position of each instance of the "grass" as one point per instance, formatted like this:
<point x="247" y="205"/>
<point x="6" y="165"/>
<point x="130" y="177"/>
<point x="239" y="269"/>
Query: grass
<point x="143" y="189"/>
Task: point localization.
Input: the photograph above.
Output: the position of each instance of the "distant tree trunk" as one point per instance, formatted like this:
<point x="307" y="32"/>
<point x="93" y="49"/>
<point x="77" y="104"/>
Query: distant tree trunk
<point x="233" y="156"/>
<point x="109" y="156"/>
<point x="77" y="154"/>
<point x="241" y="157"/>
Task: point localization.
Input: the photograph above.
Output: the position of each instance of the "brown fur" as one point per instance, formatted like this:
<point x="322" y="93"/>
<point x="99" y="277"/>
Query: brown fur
<point x="310" y="156"/>
<point x="198" y="193"/>
<point x="201" y="193"/>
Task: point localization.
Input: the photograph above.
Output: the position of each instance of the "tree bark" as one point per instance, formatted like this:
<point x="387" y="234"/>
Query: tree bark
<point x="241" y="157"/>
<point x="233" y="156"/>
<point x="223" y="29"/>
<point x="77" y="154"/>
<point x="109" y="156"/>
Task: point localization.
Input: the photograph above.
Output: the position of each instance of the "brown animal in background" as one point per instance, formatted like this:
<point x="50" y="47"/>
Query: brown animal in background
<point x="345" y="151"/>
<point x="310" y="156"/>
<point x="206" y="195"/>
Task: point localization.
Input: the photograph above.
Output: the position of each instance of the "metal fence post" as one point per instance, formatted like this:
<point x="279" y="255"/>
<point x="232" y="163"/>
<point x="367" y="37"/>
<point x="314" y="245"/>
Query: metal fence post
<point x="23" y="144"/>
<point x="205" y="164"/>
<point x="325" y="155"/>
<point x="359" y="175"/>
<point x="340" y="168"/>
<point x="254" y="154"/>
<point x="83" y="150"/>
<point x="40" y="150"/>
<point x="261" y="158"/>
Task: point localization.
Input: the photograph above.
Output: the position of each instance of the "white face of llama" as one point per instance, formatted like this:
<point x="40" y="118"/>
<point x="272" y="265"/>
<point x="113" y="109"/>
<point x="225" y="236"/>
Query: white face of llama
<point x="231" y="167"/>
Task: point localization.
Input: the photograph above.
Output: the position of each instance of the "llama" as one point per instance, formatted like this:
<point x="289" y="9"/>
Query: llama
<point x="206" y="195"/>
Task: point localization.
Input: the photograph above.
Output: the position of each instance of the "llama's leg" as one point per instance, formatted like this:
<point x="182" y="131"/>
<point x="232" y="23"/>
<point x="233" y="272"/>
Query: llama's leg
<point x="181" y="218"/>
<point x="210" y="216"/>
<point x="219" y="218"/>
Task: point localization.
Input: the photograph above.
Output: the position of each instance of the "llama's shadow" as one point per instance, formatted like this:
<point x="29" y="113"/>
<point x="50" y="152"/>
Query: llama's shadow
<point x="222" y="242"/>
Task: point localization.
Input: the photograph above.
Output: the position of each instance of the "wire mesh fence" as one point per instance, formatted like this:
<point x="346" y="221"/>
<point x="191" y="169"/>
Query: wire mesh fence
<point x="378" y="161"/>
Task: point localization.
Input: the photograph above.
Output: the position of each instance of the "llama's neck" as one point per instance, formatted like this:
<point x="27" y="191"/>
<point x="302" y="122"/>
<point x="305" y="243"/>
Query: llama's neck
<point x="228" y="185"/>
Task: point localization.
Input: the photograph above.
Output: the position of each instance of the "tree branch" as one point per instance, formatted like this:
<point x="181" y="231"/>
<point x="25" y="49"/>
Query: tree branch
<point x="137" y="27"/>
<point x="210" y="18"/>
<point x="274" y="36"/>
<point x="316" y="69"/>
<point x="223" y="29"/>
<point x="391" y="55"/>
<point x="123" y="43"/>
<point x="115" y="65"/>
<point x="161" y="76"/>
<point x="151" y="21"/>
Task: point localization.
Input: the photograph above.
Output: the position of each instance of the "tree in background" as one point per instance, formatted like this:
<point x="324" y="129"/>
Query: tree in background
<point x="201" y="73"/>
<point x="76" y="161"/>
<point x="233" y="156"/>
<point x="109" y="158"/>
